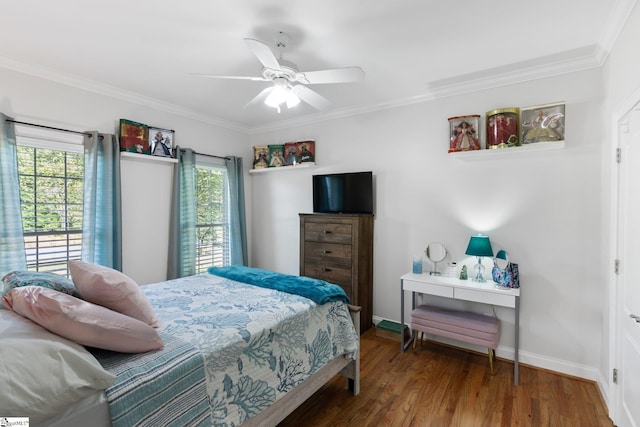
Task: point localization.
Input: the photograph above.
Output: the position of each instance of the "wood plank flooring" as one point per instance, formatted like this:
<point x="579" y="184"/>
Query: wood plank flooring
<point x="436" y="385"/>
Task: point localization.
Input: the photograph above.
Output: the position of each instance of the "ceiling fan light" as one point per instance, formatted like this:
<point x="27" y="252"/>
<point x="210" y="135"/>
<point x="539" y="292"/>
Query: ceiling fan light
<point x="292" y="99"/>
<point x="277" y="96"/>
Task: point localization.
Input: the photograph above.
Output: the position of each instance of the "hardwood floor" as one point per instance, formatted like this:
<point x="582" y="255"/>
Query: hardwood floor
<point x="436" y="385"/>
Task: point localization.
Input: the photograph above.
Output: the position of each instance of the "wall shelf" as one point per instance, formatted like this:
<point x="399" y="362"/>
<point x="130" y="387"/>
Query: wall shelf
<point x="486" y="154"/>
<point x="146" y="157"/>
<point x="300" y="166"/>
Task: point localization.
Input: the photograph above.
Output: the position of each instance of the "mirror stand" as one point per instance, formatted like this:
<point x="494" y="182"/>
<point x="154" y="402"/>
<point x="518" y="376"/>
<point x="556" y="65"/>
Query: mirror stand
<point x="436" y="253"/>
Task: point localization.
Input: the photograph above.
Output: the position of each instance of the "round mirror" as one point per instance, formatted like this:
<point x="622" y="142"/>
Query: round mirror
<point x="436" y="252"/>
<point x="502" y="259"/>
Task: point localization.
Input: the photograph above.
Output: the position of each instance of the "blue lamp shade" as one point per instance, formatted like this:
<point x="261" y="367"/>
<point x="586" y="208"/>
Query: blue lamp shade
<point x="479" y="246"/>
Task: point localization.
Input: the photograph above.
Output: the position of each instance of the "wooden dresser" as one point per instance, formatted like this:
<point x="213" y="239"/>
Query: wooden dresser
<point x="339" y="249"/>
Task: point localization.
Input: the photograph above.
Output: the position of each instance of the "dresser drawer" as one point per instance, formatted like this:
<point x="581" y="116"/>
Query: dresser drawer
<point x="327" y="232"/>
<point x="330" y="273"/>
<point x="330" y="251"/>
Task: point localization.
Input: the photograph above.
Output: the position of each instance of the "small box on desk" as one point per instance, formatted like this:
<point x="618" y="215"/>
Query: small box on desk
<point x="391" y="330"/>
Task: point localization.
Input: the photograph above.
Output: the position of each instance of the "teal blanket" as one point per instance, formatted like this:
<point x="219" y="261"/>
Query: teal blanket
<point x="316" y="290"/>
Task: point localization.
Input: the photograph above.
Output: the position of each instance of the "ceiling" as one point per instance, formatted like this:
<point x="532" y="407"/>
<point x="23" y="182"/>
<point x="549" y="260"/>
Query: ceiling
<point x="148" y="50"/>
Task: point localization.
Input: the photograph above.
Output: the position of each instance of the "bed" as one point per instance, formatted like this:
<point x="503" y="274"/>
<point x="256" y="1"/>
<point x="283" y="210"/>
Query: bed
<point x="234" y="354"/>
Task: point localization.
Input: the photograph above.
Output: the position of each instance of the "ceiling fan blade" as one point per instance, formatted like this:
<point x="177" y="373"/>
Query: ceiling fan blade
<point x="215" y="76"/>
<point x="338" y="75"/>
<point x="312" y="98"/>
<point x="259" y="98"/>
<point x="263" y="53"/>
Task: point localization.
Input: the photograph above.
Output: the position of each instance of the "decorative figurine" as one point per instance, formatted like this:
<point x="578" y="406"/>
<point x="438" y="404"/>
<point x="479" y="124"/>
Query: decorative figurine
<point x="463" y="273"/>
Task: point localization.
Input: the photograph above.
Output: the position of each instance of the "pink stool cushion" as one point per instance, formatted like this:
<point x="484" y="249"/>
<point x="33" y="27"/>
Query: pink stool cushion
<point x="472" y="328"/>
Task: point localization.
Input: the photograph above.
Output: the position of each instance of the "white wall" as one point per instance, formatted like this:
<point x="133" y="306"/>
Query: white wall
<point x="146" y="185"/>
<point x="543" y="208"/>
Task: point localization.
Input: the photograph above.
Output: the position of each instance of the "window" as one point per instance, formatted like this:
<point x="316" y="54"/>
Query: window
<point x="50" y="171"/>
<point x="212" y="219"/>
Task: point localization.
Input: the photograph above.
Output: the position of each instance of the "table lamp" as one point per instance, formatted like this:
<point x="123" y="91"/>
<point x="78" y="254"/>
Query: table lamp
<point x="479" y="246"/>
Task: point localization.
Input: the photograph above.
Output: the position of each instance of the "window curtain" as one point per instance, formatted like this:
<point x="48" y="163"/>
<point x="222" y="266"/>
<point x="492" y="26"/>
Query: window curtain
<point x="102" y="206"/>
<point x="237" y="222"/>
<point x="12" y="255"/>
<point x="182" y="226"/>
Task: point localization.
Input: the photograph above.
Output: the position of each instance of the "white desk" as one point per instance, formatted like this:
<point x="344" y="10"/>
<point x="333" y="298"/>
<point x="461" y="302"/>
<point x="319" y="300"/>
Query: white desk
<point x="467" y="290"/>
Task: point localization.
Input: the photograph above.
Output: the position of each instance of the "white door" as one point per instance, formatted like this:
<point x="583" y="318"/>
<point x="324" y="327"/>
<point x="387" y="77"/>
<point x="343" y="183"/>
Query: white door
<point x="627" y="316"/>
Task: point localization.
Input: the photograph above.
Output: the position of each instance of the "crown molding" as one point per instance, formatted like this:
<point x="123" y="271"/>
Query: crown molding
<point x="539" y="68"/>
<point x="615" y="23"/>
<point x="114" y="92"/>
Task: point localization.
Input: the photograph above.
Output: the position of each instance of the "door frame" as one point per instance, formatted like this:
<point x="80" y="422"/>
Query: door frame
<point x="614" y="391"/>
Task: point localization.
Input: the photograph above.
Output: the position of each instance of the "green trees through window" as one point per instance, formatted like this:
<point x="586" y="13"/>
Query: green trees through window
<point x="212" y="228"/>
<point x="51" y="187"/>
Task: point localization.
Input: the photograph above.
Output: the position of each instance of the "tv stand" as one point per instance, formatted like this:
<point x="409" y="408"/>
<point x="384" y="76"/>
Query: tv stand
<point x="338" y="248"/>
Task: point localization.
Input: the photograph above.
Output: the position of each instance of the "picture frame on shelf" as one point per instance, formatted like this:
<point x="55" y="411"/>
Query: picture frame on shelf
<point x="307" y="151"/>
<point x="260" y="156"/>
<point x="161" y="142"/>
<point x="276" y="155"/>
<point x="291" y="153"/>
<point x="463" y="133"/>
<point x="134" y="137"/>
<point x="543" y="123"/>
<point x="503" y="128"/>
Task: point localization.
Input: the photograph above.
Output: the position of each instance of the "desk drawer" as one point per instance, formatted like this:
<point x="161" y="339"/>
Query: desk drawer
<point x="327" y="232"/>
<point x="428" y="288"/>
<point x="493" y="298"/>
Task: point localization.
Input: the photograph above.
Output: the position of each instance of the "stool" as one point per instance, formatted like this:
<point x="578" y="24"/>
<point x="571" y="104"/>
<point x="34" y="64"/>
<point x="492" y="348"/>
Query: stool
<point x="470" y="328"/>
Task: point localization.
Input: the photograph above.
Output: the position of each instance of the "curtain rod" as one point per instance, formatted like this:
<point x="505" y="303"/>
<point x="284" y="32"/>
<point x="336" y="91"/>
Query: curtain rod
<point x="48" y="127"/>
<point x="209" y="155"/>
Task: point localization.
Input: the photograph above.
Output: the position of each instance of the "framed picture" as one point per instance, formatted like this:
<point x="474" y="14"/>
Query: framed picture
<point x="161" y="142"/>
<point x="276" y="155"/>
<point x="260" y="156"/>
<point x="307" y="150"/>
<point x="134" y="137"/>
<point x="291" y="154"/>
<point x="503" y="128"/>
<point x="542" y="123"/>
<point x="463" y="133"/>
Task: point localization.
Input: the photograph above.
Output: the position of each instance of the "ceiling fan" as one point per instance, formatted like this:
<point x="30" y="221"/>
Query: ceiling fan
<point x="289" y="84"/>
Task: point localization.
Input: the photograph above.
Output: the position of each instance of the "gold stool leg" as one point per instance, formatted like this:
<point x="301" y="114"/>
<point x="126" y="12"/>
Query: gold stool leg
<point x="491" y="355"/>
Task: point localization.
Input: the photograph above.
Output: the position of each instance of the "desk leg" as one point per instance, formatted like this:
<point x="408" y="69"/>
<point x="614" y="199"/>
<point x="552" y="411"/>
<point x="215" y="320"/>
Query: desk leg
<point x="403" y="345"/>
<point x="517" y="343"/>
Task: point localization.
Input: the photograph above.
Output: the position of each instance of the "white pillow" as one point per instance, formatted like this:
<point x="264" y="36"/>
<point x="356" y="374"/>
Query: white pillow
<point x="42" y="373"/>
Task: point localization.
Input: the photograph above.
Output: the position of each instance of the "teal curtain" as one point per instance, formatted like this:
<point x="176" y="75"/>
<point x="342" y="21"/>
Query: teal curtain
<point x="12" y="255"/>
<point x="237" y="222"/>
<point x="102" y="206"/>
<point x="182" y="226"/>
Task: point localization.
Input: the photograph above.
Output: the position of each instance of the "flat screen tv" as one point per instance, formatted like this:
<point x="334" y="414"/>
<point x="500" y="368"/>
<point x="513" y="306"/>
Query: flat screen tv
<point x="343" y="193"/>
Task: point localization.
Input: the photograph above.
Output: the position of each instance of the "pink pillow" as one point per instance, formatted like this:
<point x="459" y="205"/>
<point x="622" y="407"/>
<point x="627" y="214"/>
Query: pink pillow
<point x="112" y="289"/>
<point x="82" y="322"/>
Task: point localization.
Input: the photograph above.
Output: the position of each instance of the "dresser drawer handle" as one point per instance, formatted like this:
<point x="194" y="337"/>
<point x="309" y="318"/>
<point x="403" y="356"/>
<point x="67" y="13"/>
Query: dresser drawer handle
<point x="326" y="269"/>
<point x="326" y="231"/>
<point x="324" y="251"/>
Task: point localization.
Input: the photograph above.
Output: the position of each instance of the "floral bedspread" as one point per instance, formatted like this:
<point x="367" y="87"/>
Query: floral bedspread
<point x="257" y="343"/>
